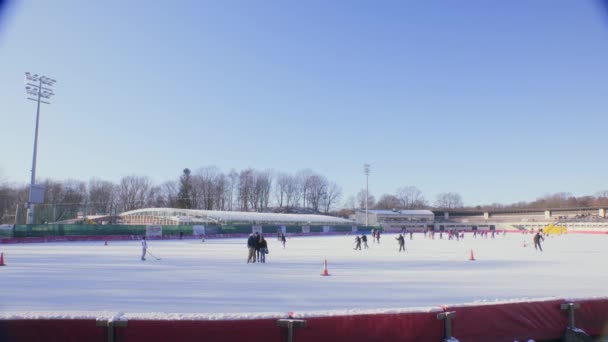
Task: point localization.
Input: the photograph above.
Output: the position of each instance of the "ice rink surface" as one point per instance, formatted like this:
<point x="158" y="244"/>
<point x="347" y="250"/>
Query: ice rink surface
<point x="213" y="277"/>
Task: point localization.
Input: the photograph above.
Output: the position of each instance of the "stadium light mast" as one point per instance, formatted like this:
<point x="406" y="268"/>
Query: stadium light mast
<point x="38" y="89"/>
<point x="366" y="171"/>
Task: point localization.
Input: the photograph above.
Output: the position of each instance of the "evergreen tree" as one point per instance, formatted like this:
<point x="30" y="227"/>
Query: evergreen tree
<point x="184" y="196"/>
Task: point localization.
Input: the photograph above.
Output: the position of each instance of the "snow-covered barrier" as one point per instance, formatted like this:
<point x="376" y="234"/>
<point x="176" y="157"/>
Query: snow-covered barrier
<point x="506" y="321"/>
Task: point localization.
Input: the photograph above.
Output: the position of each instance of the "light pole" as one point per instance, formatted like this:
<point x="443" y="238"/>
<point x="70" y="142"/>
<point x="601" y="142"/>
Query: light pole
<point x="38" y="88"/>
<point x="366" y="171"/>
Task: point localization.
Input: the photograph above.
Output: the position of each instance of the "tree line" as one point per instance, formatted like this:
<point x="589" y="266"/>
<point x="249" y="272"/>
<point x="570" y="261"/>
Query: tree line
<point x="207" y="188"/>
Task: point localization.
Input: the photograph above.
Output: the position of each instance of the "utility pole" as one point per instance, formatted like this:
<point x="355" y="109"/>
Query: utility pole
<point x="366" y="171"/>
<point x="38" y="89"/>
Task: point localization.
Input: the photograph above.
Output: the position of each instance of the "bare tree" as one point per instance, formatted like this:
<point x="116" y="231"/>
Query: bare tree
<point x="332" y="196"/>
<point x="246" y="184"/>
<point x="281" y="189"/>
<point x="133" y="192"/>
<point x="292" y="192"/>
<point x="448" y="200"/>
<point x="233" y="177"/>
<point x="169" y="192"/>
<point x="410" y="197"/>
<point x="263" y="188"/>
<point x="371" y="200"/>
<point x="317" y="189"/>
<point x="205" y="187"/>
<point x="388" y="202"/>
<point x="304" y="179"/>
<point x="101" y="196"/>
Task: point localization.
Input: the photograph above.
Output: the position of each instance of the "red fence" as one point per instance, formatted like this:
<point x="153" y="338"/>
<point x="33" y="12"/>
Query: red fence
<point x="540" y="320"/>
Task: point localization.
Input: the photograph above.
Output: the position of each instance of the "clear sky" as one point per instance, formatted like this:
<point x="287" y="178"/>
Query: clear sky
<point x="500" y="101"/>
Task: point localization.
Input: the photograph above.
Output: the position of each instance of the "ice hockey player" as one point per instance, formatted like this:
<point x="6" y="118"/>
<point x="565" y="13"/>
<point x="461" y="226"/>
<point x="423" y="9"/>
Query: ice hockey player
<point x="537" y="239"/>
<point x="364" y="240"/>
<point x="144" y="247"/>
<point x="401" y="241"/>
<point x="357" y="243"/>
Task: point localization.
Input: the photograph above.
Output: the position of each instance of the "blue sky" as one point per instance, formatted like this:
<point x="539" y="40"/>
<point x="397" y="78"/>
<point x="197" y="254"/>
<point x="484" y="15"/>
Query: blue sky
<point x="498" y="101"/>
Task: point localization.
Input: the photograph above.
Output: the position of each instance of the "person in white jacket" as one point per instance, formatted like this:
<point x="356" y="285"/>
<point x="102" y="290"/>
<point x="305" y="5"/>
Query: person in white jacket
<point x="144" y="247"/>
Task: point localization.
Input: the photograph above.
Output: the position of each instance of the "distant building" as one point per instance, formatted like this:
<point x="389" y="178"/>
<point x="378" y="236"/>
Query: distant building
<point x="396" y="219"/>
<point x="173" y="216"/>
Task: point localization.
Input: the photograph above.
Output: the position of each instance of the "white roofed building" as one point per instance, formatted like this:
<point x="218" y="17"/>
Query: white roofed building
<point x="173" y="216"/>
<point x="396" y="219"/>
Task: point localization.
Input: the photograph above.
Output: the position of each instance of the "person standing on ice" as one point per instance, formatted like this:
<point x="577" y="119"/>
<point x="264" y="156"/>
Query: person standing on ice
<point x="357" y="243"/>
<point x="401" y="241"/>
<point x="364" y="240"/>
<point x="251" y="248"/>
<point x="283" y="240"/>
<point x="144" y="247"/>
<point x="258" y="239"/>
<point x="378" y="236"/>
<point x="537" y="239"/>
<point x="263" y="249"/>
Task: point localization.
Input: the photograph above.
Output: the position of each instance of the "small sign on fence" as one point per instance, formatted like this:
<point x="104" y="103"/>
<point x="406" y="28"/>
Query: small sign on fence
<point x="198" y="230"/>
<point x="305" y="229"/>
<point x="154" y="231"/>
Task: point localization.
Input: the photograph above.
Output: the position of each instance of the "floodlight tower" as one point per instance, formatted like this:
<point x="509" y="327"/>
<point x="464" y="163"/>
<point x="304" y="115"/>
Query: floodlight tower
<point x="366" y="171"/>
<point x="38" y="89"/>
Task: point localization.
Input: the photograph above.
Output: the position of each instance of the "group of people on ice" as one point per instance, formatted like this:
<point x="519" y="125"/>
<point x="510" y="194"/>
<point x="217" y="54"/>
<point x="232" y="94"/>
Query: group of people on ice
<point x="258" y="248"/>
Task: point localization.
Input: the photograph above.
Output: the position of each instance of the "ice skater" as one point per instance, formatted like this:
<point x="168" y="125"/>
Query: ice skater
<point x="537" y="239"/>
<point x="377" y="236"/>
<point x="401" y="241"/>
<point x="283" y="240"/>
<point x="411" y="235"/>
<point x="357" y="243"/>
<point x="144" y="247"/>
<point x="263" y="249"/>
<point x="364" y="240"/>
<point x="251" y="242"/>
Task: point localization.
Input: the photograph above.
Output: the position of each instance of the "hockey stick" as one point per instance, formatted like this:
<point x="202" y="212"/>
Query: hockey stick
<point x="153" y="255"/>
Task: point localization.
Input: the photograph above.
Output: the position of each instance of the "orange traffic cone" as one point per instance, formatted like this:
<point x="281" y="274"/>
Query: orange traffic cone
<point x="325" y="272"/>
<point x="472" y="257"/>
<point x="2" y="259"/>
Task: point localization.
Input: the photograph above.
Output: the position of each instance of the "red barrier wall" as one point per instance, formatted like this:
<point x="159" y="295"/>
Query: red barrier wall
<point x="592" y="316"/>
<point x="405" y="327"/>
<point x="541" y="321"/>
<point x="191" y="331"/>
<point x="51" y="330"/>
<point x="508" y="322"/>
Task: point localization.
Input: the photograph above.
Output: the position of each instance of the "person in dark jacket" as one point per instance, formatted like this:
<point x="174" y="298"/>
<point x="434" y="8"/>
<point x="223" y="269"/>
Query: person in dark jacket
<point x="364" y="240"/>
<point x="258" y="238"/>
<point x="283" y="240"/>
<point x="263" y="249"/>
<point x="537" y="239"/>
<point x="251" y="246"/>
<point x="357" y="243"/>
<point x="401" y="241"/>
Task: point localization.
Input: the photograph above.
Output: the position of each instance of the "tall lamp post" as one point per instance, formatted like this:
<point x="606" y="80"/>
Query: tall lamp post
<point x="38" y="89"/>
<point x="366" y="171"/>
